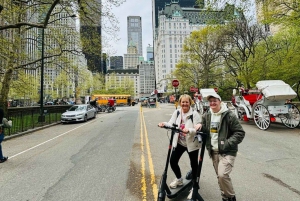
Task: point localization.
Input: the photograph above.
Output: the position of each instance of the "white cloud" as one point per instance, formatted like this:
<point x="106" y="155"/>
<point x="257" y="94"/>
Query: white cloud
<point x="141" y="8"/>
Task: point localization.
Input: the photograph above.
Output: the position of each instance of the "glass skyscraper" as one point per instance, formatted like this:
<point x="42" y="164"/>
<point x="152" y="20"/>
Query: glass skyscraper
<point x="134" y="32"/>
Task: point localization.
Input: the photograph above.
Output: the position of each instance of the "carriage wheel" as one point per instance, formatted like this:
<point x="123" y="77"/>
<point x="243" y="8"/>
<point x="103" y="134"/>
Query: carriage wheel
<point x="292" y="118"/>
<point x="261" y="117"/>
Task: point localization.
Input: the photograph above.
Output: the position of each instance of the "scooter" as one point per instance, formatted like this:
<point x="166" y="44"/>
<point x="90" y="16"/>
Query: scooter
<point x="164" y="189"/>
<point x="201" y="137"/>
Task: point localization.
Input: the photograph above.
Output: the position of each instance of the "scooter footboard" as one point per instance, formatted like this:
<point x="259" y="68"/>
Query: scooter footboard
<point x="175" y="192"/>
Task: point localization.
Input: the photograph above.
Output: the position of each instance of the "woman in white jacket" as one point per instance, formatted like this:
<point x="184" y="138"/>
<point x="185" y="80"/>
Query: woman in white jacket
<point x="186" y="118"/>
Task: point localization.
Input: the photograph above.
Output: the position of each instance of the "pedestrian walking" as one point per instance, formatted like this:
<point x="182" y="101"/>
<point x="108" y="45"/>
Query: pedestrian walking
<point x="224" y="134"/>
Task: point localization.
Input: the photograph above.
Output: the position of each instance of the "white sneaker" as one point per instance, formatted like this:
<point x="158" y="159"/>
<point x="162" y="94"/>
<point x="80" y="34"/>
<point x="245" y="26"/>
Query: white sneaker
<point x="176" y="182"/>
<point x="190" y="194"/>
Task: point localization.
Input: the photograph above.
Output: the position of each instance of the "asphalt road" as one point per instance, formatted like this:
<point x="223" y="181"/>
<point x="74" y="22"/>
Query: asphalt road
<point x="121" y="156"/>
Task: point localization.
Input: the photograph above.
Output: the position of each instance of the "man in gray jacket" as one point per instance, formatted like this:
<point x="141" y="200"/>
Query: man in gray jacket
<point x="224" y="134"/>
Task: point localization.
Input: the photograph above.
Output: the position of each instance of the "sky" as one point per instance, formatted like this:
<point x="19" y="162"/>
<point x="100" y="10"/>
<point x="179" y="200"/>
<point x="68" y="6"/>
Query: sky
<point x="137" y="8"/>
<point x="133" y="8"/>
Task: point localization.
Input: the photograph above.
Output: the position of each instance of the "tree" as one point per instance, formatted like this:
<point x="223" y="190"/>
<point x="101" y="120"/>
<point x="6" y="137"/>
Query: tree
<point x="278" y="58"/>
<point x="280" y="12"/>
<point x="242" y="40"/>
<point x="22" y="22"/>
<point x="199" y="61"/>
<point x="98" y="82"/>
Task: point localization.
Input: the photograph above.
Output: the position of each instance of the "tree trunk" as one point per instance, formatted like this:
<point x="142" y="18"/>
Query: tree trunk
<point x="5" y="90"/>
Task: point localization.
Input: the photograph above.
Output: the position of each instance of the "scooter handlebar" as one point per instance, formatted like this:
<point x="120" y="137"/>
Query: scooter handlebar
<point x="199" y="135"/>
<point x="173" y="128"/>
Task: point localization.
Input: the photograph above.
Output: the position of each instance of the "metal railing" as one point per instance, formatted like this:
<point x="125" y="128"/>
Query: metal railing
<point x="26" y="118"/>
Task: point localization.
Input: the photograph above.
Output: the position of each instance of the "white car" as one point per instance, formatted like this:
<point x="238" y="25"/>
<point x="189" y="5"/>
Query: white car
<point x="81" y="112"/>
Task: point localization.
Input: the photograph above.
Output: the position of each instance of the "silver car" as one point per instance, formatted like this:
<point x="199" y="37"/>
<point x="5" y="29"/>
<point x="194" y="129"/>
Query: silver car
<point x="79" y="113"/>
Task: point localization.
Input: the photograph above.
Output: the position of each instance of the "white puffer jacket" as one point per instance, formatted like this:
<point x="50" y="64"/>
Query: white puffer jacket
<point x="192" y="144"/>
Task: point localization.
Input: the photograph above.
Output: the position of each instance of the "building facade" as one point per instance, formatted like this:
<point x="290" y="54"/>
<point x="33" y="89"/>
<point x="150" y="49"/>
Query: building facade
<point x="150" y="55"/>
<point x="131" y="59"/>
<point x="134" y="32"/>
<point x="262" y="7"/>
<point x="175" y="23"/>
<point x="126" y="78"/>
<point x="147" y="77"/>
<point x="159" y="5"/>
<point x="116" y="62"/>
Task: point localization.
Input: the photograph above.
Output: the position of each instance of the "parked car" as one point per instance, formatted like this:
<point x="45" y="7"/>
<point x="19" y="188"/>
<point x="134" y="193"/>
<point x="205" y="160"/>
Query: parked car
<point x="81" y="112"/>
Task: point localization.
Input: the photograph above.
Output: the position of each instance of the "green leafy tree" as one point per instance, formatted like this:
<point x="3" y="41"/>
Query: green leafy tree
<point x="23" y="22"/>
<point x="278" y="58"/>
<point x="200" y="58"/>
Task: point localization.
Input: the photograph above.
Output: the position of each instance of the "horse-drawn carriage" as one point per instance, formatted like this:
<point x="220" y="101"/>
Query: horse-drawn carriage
<point x="201" y="104"/>
<point x="267" y="103"/>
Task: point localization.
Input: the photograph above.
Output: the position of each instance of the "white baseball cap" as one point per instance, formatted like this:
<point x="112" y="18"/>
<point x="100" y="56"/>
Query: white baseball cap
<point x="213" y="95"/>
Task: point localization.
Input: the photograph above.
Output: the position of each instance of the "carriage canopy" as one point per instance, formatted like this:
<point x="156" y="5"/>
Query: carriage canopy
<point x="276" y="89"/>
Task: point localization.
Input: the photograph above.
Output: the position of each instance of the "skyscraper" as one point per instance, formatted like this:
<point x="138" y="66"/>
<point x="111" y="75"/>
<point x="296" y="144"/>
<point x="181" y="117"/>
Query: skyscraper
<point x="134" y="32"/>
<point x="93" y="30"/>
<point x="150" y="53"/>
<point x="116" y="62"/>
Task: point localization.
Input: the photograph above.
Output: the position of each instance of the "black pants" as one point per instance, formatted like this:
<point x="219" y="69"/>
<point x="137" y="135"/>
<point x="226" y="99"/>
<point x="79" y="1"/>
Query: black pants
<point x="176" y="155"/>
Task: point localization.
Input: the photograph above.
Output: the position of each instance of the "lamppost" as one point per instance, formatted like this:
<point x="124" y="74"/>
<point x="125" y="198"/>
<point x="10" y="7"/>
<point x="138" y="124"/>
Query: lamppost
<point x="42" y="116"/>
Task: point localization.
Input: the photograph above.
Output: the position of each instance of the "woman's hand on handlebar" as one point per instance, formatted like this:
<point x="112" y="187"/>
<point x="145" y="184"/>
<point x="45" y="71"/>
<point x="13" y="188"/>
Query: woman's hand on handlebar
<point x="198" y="126"/>
<point x="161" y="124"/>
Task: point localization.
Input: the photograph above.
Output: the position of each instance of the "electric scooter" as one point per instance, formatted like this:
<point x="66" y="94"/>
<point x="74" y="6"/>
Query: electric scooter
<point x="201" y="137"/>
<point x="164" y="189"/>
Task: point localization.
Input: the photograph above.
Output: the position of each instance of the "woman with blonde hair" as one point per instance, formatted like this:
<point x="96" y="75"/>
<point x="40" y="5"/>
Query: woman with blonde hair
<point x="186" y="119"/>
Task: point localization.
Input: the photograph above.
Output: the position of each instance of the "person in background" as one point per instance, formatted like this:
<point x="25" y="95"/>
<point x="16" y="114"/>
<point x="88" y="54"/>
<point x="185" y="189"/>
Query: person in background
<point x="186" y="118"/>
<point x="224" y="134"/>
<point x="2" y="158"/>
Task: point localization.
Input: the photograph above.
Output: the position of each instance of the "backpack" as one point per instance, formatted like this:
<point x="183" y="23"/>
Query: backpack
<point x="191" y="116"/>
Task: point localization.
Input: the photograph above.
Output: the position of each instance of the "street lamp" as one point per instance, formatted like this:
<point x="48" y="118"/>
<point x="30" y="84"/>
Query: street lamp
<point x="42" y="116"/>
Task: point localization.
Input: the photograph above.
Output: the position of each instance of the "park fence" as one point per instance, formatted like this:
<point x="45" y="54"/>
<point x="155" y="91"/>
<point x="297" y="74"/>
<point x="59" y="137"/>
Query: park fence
<point x="27" y="118"/>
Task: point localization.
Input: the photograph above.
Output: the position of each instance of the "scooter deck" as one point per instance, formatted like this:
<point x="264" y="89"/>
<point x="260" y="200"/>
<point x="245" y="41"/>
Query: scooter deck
<point x="176" y="191"/>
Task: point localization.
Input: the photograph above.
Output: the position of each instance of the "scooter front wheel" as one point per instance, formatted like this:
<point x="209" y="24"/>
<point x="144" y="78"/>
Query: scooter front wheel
<point x="161" y="197"/>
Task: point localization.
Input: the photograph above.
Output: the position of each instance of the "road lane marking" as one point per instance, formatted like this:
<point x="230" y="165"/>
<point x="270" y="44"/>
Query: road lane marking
<point x="22" y="152"/>
<point x="144" y="134"/>
<point x="143" y="178"/>
<point x="150" y="161"/>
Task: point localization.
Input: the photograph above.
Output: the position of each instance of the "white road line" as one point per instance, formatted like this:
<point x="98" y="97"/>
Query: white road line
<point x="49" y="140"/>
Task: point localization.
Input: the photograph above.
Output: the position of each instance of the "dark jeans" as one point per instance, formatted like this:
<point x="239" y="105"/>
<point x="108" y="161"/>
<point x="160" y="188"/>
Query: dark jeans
<point x="1" y="139"/>
<point x="176" y="155"/>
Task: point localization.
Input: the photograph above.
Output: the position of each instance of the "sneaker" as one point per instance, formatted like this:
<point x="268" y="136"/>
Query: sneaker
<point x="189" y="197"/>
<point x="176" y="182"/>
<point x="189" y="175"/>
<point x="3" y="159"/>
